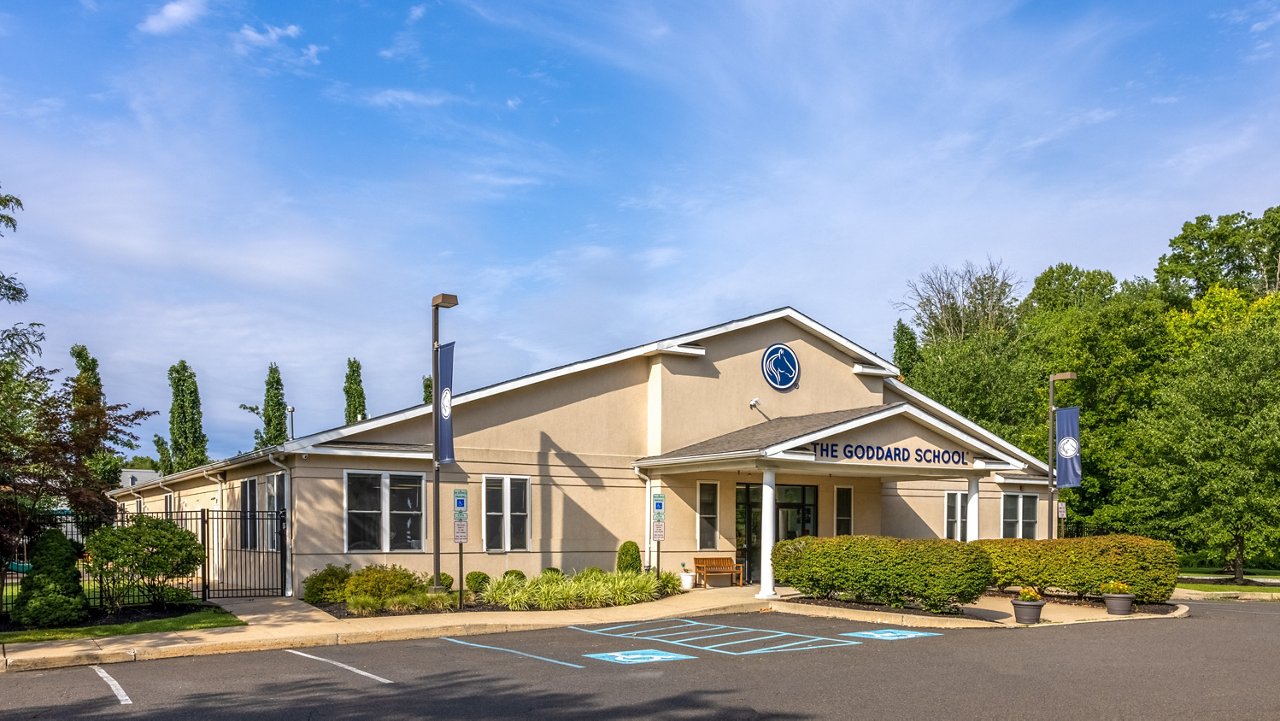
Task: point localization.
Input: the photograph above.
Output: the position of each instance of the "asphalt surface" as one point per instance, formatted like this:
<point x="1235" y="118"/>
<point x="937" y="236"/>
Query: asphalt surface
<point x="1219" y="663"/>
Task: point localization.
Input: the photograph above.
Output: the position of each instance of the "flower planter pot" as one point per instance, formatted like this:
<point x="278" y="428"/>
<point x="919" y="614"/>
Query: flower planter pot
<point x="1118" y="604"/>
<point x="686" y="580"/>
<point x="1027" y="612"/>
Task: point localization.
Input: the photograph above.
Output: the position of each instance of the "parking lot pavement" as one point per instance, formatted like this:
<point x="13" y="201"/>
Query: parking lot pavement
<point x="1215" y="664"/>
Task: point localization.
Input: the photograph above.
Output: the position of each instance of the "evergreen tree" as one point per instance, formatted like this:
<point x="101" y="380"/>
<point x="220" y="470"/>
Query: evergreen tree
<point x="187" y="446"/>
<point x="906" y="349"/>
<point x="353" y="389"/>
<point x="273" y="412"/>
<point x="426" y="389"/>
<point x="89" y="422"/>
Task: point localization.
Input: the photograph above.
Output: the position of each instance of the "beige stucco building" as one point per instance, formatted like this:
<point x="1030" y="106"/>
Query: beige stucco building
<point x="767" y="427"/>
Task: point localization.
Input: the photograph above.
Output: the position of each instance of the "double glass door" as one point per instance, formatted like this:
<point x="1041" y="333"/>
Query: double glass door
<point x="797" y="516"/>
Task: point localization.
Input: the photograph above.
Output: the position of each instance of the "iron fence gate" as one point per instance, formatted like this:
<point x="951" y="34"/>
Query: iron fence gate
<point x="245" y="554"/>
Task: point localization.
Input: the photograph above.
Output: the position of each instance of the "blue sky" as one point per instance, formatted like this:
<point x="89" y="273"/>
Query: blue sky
<point x="234" y="183"/>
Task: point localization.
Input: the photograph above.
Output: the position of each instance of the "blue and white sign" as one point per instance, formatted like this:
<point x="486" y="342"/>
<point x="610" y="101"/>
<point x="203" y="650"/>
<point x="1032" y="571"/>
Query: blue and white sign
<point x="642" y="656"/>
<point x="443" y="449"/>
<point x="890" y="634"/>
<point x="780" y="366"/>
<point x="1067" y="422"/>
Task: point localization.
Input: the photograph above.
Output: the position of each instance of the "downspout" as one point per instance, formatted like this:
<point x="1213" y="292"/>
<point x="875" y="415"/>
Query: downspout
<point x="221" y="485"/>
<point x="648" y="522"/>
<point x="286" y="496"/>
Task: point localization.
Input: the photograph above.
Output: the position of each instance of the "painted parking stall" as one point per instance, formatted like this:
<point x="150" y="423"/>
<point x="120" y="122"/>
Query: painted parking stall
<point x="719" y="638"/>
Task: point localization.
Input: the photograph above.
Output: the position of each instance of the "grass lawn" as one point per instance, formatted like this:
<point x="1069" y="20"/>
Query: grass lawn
<point x="204" y="618"/>
<point x="1226" y="587"/>
<point x="1218" y="572"/>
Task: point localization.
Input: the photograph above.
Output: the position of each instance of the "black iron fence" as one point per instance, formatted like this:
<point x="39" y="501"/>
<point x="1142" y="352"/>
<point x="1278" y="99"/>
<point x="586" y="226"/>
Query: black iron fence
<point x="245" y="555"/>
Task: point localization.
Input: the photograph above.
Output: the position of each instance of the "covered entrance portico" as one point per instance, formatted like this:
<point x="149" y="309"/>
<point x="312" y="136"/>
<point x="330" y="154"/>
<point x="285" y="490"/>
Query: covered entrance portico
<point x="882" y="470"/>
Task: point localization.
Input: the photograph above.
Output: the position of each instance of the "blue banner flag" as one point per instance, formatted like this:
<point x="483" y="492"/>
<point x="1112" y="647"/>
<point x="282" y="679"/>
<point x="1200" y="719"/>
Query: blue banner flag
<point x="444" y="428"/>
<point x="1067" y="421"/>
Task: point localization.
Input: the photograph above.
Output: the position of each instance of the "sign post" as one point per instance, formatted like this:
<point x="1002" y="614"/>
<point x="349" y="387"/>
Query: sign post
<point x="460" y="535"/>
<point x="659" y="527"/>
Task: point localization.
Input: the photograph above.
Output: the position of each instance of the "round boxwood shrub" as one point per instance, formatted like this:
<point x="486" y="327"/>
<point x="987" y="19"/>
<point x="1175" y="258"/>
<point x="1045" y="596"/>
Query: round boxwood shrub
<point x="51" y="594"/>
<point x="326" y="585"/>
<point x="552" y="570"/>
<point x="380" y="582"/>
<point x="477" y="581"/>
<point x="445" y="581"/>
<point x="515" y="573"/>
<point x="147" y="555"/>
<point x="629" y="558"/>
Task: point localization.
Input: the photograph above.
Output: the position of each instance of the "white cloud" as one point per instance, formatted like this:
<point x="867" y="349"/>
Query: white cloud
<point x="514" y="103"/>
<point x="269" y="38"/>
<point x="173" y="17"/>
<point x="401" y="98"/>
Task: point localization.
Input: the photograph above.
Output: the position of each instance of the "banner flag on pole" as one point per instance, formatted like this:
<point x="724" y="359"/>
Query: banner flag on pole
<point x="1067" y="421"/>
<point x="444" y="434"/>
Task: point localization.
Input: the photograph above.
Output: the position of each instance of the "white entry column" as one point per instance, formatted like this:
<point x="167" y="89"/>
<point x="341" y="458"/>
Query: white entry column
<point x="971" y="510"/>
<point x="768" y="533"/>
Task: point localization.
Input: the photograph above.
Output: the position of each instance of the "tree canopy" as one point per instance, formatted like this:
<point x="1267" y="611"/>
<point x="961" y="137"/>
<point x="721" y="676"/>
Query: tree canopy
<point x="187" y="446"/>
<point x="353" y="391"/>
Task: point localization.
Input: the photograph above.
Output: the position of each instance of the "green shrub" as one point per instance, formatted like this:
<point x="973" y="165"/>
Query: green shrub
<point x="552" y="570"/>
<point x="51" y="594"/>
<point x="590" y="590"/>
<point x="328" y="585"/>
<point x="936" y="574"/>
<point x="147" y="553"/>
<point x="515" y="573"/>
<point x="629" y="558"/>
<point x="445" y="581"/>
<point x="476" y="582"/>
<point x="361" y="605"/>
<point x="1082" y="565"/>
<point x="419" y="601"/>
<point x="380" y="582"/>
<point x="589" y="572"/>
<point x="669" y="584"/>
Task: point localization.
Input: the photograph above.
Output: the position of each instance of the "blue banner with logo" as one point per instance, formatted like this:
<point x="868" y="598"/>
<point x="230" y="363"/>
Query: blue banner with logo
<point x="1067" y="421"/>
<point x="444" y="434"/>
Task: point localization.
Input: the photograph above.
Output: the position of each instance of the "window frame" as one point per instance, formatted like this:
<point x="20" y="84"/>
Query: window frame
<point x="169" y="503"/>
<point x="698" y="517"/>
<point x="505" y="513"/>
<point x="249" y="536"/>
<point x="272" y="495"/>
<point x="835" y="502"/>
<point x="384" y="510"/>
<point x="962" y="523"/>
<point x="1021" y="520"/>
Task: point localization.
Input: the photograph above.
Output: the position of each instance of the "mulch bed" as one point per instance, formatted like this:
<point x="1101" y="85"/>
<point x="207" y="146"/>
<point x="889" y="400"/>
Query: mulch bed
<point x="131" y="614"/>
<point x="339" y="610"/>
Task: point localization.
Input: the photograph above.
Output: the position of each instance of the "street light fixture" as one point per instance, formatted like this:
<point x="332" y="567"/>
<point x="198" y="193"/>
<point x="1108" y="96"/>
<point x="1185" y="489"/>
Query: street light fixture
<point x="1053" y="452"/>
<point x="443" y="300"/>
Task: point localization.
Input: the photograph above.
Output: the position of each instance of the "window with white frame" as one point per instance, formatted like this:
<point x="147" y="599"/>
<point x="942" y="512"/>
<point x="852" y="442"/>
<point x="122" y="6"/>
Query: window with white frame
<point x="1018" y="515"/>
<point x="506" y="514"/>
<point x="249" y="513"/>
<point x="844" y="511"/>
<point x="169" y="506"/>
<point x="957" y="515"/>
<point x="708" y="515"/>
<point x="272" y="502"/>
<point x="384" y="511"/>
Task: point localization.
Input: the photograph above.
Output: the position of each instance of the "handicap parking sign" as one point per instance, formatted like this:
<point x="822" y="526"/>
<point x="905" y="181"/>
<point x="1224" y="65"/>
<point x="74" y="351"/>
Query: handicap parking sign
<point x="890" y="634"/>
<point x="647" y="655"/>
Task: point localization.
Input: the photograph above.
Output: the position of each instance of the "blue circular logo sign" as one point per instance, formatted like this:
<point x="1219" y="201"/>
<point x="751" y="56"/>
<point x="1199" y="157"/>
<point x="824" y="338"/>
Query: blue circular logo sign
<point x="780" y="366"/>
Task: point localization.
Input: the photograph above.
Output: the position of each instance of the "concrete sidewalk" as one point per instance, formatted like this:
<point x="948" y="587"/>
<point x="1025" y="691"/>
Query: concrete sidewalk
<point x="275" y="623"/>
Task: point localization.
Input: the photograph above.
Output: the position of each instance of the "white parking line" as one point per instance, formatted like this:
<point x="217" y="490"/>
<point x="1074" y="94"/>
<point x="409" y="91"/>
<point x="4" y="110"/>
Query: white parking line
<point x="115" y="686"/>
<point x="352" y="669"/>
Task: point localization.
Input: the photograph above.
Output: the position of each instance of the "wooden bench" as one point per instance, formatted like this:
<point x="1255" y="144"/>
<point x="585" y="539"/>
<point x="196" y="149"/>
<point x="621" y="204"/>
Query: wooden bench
<point x="704" y="566"/>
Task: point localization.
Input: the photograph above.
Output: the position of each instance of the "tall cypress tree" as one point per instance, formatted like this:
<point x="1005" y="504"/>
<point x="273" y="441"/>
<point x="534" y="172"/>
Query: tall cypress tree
<point x="426" y="389"/>
<point x="273" y="412"/>
<point x="353" y="389"/>
<point x="906" y="349"/>
<point x="187" y="446"/>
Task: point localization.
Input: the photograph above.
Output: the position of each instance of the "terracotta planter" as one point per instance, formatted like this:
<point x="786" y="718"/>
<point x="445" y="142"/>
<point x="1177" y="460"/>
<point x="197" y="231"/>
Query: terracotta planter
<point x="1027" y="612"/>
<point x="1118" y="604"/>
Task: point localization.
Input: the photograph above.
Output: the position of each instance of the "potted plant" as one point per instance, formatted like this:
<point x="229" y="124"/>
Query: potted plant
<point x="1118" y="596"/>
<point x="1027" y="606"/>
<point x="687" y="577"/>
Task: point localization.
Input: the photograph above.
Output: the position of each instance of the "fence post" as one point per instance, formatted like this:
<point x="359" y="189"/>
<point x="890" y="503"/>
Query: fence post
<point x="204" y="543"/>
<point x="283" y="545"/>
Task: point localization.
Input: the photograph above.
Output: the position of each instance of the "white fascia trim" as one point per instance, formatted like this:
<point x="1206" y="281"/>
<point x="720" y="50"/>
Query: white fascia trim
<point x="683" y="350"/>
<point x="734" y="455"/>
<point x="669" y="345"/>
<point x="923" y="418"/>
<point x="368" y="453"/>
<point x="986" y="465"/>
<point x="864" y="370"/>
<point x="1022" y="481"/>
<point x="974" y="428"/>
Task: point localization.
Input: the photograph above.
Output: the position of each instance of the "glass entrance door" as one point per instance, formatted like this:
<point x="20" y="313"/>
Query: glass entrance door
<point x="797" y="516"/>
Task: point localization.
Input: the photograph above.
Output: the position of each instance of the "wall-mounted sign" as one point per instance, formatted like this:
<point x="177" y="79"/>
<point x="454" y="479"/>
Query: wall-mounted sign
<point x="892" y="454"/>
<point x="780" y="366"/>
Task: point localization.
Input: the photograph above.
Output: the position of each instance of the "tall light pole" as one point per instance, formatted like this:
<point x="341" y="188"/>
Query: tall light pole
<point x="1053" y="452"/>
<point x="443" y="300"/>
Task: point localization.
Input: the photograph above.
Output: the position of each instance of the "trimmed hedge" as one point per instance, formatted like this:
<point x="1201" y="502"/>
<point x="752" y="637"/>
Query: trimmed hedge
<point x="936" y="574"/>
<point x="628" y="558"/>
<point x="1082" y="565"/>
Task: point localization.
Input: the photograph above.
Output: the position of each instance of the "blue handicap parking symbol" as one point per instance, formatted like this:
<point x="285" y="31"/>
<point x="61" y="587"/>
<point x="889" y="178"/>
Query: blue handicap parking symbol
<point x="641" y="656"/>
<point x="890" y="634"/>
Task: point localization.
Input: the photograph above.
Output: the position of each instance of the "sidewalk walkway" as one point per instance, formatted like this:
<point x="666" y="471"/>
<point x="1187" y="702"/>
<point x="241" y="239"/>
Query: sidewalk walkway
<point x="275" y="623"/>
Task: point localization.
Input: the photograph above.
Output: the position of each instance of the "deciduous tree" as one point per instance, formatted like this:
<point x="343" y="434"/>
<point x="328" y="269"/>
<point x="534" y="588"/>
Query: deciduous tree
<point x="188" y="446"/>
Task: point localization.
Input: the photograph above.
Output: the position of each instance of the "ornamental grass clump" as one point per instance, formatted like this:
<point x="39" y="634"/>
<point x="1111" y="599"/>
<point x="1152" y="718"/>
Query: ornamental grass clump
<point x="362" y="605"/>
